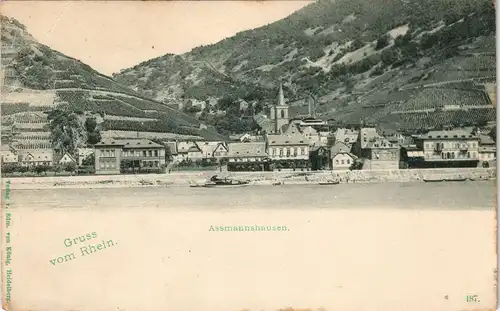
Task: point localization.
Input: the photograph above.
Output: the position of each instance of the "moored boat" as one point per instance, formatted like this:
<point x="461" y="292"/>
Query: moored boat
<point x="433" y="179"/>
<point x="329" y="182"/>
<point x="215" y="181"/>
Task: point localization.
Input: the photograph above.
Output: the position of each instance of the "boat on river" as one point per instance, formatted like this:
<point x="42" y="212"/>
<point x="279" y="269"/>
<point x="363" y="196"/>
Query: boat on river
<point x="215" y="182"/>
<point x="433" y="179"/>
<point x="329" y="182"/>
<point x="456" y="179"/>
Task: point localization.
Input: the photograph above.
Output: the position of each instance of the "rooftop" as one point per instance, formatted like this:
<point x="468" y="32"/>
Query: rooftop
<point x="287" y="140"/>
<point x="252" y="149"/>
<point x="129" y="143"/>
<point x="447" y="134"/>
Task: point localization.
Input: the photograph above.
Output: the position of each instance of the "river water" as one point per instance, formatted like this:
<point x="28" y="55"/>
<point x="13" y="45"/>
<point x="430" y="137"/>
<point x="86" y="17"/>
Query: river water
<point x="438" y="196"/>
<point x="350" y="247"/>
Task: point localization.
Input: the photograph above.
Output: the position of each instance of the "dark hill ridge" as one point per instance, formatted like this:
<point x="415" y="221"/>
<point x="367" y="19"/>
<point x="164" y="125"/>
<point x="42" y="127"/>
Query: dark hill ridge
<point x="30" y="66"/>
<point x="344" y="51"/>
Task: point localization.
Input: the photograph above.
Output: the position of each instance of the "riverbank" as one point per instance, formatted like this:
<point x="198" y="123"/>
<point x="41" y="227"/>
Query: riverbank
<point x="184" y="179"/>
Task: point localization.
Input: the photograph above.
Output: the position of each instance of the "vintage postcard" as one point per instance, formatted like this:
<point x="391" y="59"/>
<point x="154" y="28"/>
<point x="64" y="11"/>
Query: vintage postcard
<point x="248" y="155"/>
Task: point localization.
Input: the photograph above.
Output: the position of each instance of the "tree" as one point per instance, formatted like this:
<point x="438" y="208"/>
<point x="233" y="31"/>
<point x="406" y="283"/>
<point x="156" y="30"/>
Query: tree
<point x="89" y="160"/>
<point x="493" y="133"/>
<point x="67" y="131"/>
<point x="39" y="169"/>
<point x="70" y="167"/>
<point x="382" y="42"/>
<point x="389" y="57"/>
<point x="168" y="154"/>
<point x="93" y="133"/>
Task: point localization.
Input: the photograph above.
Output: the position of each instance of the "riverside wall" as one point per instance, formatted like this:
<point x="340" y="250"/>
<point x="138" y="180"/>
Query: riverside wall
<point x="257" y="178"/>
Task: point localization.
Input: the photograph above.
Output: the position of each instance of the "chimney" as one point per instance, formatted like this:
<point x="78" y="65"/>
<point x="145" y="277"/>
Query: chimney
<point x="281" y="97"/>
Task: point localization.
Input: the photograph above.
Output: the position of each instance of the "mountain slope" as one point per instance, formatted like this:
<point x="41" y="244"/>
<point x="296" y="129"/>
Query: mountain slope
<point x="343" y="51"/>
<point x="33" y="70"/>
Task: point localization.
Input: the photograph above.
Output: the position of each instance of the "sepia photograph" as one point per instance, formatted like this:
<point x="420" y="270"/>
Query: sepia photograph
<point x="249" y="155"/>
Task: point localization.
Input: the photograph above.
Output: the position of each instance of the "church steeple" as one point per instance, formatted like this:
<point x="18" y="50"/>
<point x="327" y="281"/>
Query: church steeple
<point x="281" y="97"/>
<point x="280" y="112"/>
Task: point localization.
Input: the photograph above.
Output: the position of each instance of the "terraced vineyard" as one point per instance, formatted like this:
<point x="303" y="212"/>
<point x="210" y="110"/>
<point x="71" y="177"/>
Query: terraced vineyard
<point x="452" y="104"/>
<point x="34" y="67"/>
<point x="438" y="119"/>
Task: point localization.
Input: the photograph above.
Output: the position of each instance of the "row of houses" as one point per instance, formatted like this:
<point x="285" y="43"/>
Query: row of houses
<point x="34" y="157"/>
<point x="372" y="150"/>
<point x="293" y="149"/>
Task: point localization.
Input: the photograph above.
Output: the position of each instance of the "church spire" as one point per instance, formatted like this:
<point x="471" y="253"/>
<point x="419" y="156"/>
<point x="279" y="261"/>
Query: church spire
<point x="281" y="97"/>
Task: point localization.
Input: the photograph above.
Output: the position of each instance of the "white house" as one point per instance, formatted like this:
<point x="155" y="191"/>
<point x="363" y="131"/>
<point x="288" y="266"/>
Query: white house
<point x="67" y="159"/>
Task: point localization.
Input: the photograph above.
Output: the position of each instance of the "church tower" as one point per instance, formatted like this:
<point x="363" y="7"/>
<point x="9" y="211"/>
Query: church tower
<point x="280" y="112"/>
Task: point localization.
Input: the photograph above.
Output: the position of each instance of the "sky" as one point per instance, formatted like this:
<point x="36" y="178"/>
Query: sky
<point x="113" y="35"/>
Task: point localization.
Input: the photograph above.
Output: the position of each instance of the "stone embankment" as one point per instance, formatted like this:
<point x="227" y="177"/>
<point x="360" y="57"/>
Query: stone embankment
<point x="257" y="178"/>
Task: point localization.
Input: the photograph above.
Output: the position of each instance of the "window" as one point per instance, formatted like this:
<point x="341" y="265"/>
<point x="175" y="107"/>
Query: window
<point x="157" y="164"/>
<point x="453" y="155"/>
<point x="273" y="151"/>
<point x="473" y="145"/>
<point x="336" y="161"/>
<point x="348" y="161"/>
<point x="281" y="152"/>
<point x="287" y="152"/>
<point x="468" y="155"/>
<point x="342" y="161"/>
<point x="144" y="153"/>
<point x="282" y="114"/>
<point x="150" y="153"/>
<point x="294" y="152"/>
<point x="302" y="151"/>
<point x="156" y="153"/>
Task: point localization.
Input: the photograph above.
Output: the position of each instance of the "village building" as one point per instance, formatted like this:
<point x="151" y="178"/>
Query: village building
<point x="207" y="148"/>
<point x="311" y="135"/>
<point x="41" y="157"/>
<point x="9" y="157"/>
<point x="381" y="154"/>
<point x="250" y="156"/>
<point x="316" y="123"/>
<point x="377" y="152"/>
<point x="67" y="159"/>
<point x="487" y="149"/>
<point x="221" y="151"/>
<point x="266" y="125"/>
<point x="343" y="160"/>
<point x="346" y="136"/>
<point x="288" y="150"/>
<point x="128" y="155"/>
<point x="195" y="153"/>
<point x="396" y="138"/>
<point x="341" y="156"/>
<point x="185" y="149"/>
<point x="447" y="148"/>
